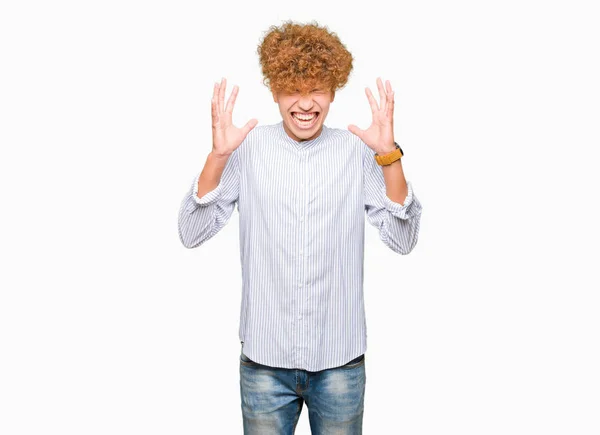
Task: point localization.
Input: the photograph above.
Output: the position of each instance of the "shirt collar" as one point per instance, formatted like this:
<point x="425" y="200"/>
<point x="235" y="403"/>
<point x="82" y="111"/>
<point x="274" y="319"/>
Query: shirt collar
<point x="305" y="143"/>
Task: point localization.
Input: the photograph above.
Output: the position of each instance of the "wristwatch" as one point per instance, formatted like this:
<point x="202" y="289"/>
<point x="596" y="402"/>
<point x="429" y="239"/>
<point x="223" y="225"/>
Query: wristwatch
<point x="390" y="157"/>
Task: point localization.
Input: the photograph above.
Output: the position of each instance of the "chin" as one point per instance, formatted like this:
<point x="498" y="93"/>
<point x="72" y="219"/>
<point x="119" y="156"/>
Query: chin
<point x="303" y="134"/>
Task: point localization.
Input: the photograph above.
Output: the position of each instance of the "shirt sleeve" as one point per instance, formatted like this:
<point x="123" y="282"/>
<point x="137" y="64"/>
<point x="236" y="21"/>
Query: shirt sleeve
<point x="202" y="218"/>
<point x="398" y="224"/>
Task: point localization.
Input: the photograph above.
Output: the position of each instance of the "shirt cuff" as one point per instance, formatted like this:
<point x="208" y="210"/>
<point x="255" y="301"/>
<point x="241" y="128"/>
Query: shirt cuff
<point x="209" y="197"/>
<point x="397" y="209"/>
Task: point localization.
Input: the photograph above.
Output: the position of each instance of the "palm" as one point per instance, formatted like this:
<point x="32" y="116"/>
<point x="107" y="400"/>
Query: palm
<point x="226" y="136"/>
<point x="224" y="132"/>
<point x="380" y="134"/>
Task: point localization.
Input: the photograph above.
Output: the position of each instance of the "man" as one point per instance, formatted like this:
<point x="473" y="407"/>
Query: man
<point x="302" y="191"/>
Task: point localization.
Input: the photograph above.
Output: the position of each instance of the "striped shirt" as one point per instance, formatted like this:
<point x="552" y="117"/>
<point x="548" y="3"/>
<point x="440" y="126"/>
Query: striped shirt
<point x="302" y="209"/>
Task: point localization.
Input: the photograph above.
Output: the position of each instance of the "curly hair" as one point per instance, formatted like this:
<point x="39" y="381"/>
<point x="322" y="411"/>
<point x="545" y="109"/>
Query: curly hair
<point x="302" y="57"/>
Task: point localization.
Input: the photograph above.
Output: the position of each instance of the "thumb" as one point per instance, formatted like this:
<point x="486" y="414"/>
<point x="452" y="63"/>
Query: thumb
<point x="249" y="126"/>
<point x="357" y="131"/>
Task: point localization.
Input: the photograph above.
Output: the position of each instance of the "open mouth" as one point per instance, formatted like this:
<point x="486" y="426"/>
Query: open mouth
<point x="305" y="120"/>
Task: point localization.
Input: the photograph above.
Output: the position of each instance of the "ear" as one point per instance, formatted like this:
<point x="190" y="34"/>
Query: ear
<point x="274" y="96"/>
<point x="332" y="96"/>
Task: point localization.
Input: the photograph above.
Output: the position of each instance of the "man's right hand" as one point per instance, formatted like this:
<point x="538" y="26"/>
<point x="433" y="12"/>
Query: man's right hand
<point x="226" y="136"/>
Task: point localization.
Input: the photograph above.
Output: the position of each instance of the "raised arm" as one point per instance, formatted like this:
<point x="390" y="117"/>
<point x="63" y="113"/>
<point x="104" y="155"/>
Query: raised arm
<point x="209" y="203"/>
<point x="398" y="224"/>
<point x="385" y="186"/>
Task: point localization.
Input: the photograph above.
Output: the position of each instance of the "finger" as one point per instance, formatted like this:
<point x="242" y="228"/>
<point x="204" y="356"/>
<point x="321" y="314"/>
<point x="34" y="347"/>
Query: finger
<point x="222" y="94"/>
<point x="374" y="107"/>
<point x="231" y="100"/>
<point x="355" y="130"/>
<point x="249" y="126"/>
<point x="388" y="87"/>
<point x="390" y="106"/>
<point x="216" y="90"/>
<point x="216" y="97"/>
<point x="213" y="111"/>
<point x="382" y="95"/>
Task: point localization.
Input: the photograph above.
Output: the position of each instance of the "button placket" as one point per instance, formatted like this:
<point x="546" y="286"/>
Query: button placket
<point x="302" y="257"/>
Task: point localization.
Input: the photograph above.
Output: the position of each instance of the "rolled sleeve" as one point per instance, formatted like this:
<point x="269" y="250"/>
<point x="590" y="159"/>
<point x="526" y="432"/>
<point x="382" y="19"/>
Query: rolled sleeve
<point x="398" y="224"/>
<point x="201" y="218"/>
<point x="209" y="197"/>
<point x="402" y="211"/>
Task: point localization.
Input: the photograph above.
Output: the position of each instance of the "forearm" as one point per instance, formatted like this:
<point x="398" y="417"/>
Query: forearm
<point x="204" y="214"/>
<point x="395" y="183"/>
<point x="211" y="173"/>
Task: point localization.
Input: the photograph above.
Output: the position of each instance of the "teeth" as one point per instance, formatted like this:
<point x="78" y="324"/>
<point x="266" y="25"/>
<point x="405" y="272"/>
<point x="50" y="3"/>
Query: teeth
<point x="305" y="117"/>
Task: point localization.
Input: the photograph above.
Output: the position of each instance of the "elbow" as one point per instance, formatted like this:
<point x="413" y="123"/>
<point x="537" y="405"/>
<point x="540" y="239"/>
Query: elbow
<point x="196" y="228"/>
<point x="191" y="240"/>
<point x="402" y="249"/>
<point x="402" y="235"/>
<point x="187" y="242"/>
<point x="184" y="232"/>
<point x="400" y="245"/>
<point x="410" y="244"/>
<point x="407" y="249"/>
<point x="192" y="236"/>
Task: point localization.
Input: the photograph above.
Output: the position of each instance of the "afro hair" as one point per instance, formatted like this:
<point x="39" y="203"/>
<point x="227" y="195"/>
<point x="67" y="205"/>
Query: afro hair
<point x="300" y="57"/>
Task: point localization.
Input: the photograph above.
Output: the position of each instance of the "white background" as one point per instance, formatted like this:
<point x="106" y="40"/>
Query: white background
<point x="108" y="325"/>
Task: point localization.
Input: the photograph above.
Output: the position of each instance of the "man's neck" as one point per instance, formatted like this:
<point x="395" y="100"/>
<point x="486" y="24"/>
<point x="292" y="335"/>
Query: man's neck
<point x="298" y="139"/>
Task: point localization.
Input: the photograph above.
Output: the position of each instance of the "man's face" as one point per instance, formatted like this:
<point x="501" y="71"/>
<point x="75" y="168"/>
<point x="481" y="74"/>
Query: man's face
<point x="303" y="113"/>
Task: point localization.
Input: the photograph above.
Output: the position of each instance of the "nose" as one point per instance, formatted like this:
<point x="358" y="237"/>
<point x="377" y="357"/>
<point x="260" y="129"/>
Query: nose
<point x="305" y="103"/>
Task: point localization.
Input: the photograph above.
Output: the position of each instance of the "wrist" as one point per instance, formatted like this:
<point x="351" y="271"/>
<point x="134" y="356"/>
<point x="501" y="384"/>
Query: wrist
<point x="220" y="156"/>
<point x="385" y="150"/>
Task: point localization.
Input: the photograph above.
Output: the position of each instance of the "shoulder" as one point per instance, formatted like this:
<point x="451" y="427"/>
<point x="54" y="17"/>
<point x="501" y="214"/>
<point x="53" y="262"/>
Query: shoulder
<point x="256" y="136"/>
<point x="345" y="137"/>
<point x="260" y="133"/>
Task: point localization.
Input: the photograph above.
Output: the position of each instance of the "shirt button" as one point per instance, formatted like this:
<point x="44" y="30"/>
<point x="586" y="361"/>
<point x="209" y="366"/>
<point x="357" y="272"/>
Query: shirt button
<point x="300" y="285"/>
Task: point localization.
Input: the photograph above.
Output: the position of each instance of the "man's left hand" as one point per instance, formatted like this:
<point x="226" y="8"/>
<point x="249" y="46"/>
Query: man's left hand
<point x="380" y="135"/>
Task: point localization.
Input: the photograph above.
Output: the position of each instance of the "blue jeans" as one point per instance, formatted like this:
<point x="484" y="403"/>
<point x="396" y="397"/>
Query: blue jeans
<point x="272" y="398"/>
